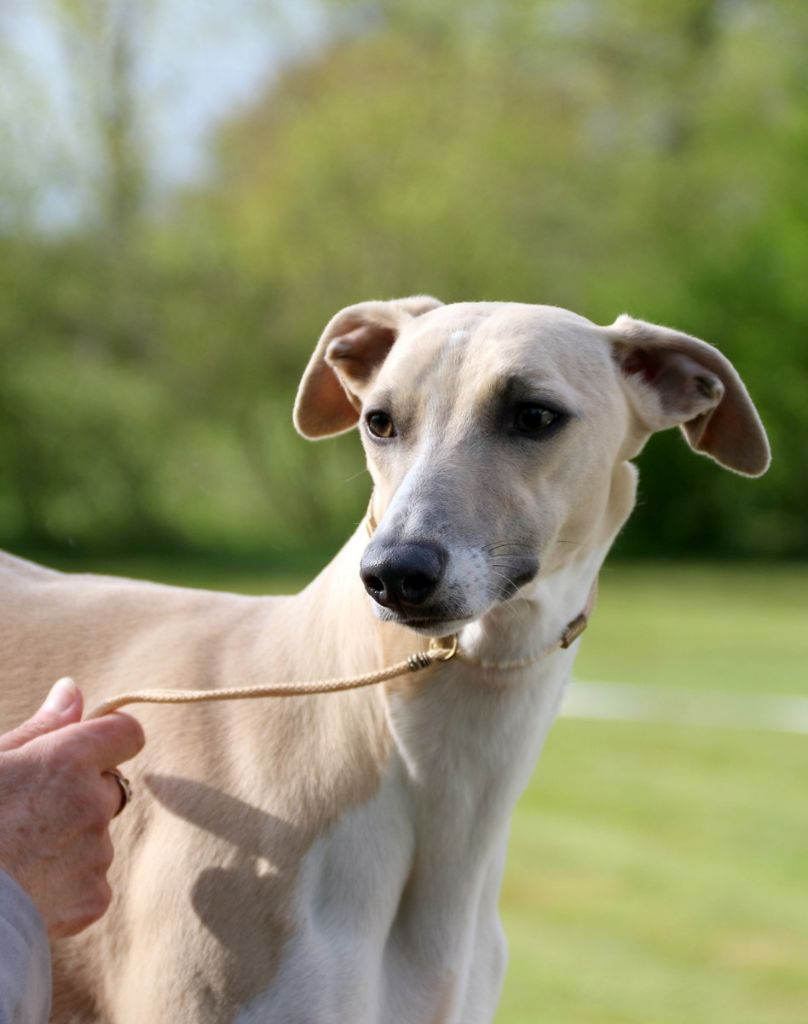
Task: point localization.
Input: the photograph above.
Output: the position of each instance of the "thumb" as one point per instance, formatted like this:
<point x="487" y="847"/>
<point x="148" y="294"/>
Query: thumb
<point x="63" y="706"/>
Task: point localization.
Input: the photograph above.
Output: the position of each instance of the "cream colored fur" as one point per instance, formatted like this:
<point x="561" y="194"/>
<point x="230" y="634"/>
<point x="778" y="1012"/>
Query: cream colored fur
<point x="338" y="858"/>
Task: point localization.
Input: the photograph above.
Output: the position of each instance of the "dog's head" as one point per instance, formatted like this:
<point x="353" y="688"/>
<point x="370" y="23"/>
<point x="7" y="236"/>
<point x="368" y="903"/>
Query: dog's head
<point x="498" y="437"/>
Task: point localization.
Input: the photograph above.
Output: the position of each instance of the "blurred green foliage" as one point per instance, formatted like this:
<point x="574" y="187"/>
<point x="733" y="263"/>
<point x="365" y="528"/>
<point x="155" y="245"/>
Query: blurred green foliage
<point x="605" y="156"/>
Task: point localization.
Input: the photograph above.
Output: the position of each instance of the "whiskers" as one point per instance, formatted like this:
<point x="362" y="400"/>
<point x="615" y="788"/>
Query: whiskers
<point x="508" y="547"/>
<point x="507" y="590"/>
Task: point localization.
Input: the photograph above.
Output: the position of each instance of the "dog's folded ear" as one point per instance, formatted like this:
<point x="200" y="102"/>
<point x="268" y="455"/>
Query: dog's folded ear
<point x="349" y="353"/>
<point x="673" y="379"/>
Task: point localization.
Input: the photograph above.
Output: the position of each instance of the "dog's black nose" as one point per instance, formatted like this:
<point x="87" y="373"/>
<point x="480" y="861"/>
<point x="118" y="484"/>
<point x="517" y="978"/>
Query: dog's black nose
<point x="403" y="575"/>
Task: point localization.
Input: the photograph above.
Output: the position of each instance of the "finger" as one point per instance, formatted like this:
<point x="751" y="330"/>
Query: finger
<point x="103" y="854"/>
<point x="104" y="742"/>
<point x="92" y="903"/>
<point x="63" y="706"/>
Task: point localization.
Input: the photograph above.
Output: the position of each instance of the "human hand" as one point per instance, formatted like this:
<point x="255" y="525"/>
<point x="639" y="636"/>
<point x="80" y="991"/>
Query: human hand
<point x="56" y="805"/>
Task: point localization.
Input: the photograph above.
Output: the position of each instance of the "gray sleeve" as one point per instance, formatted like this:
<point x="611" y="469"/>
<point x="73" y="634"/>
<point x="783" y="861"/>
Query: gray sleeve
<point x="25" y="966"/>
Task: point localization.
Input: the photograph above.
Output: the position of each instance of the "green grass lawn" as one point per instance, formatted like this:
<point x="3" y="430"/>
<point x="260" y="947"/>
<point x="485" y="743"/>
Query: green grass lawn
<point x="731" y="628"/>
<point x="659" y="874"/>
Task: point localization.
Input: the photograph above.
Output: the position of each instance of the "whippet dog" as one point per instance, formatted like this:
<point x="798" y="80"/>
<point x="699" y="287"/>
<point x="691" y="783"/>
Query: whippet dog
<point x="338" y="858"/>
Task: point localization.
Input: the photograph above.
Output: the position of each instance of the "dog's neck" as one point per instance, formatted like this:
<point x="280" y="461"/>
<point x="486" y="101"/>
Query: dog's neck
<point x="463" y="744"/>
<point x="527" y="628"/>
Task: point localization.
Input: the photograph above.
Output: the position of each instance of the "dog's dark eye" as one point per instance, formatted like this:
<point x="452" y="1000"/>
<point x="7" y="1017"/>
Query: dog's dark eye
<point x="532" y="419"/>
<point x="380" y="424"/>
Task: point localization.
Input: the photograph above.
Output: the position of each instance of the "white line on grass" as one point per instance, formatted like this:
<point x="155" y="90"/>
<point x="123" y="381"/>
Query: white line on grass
<point x="625" y="702"/>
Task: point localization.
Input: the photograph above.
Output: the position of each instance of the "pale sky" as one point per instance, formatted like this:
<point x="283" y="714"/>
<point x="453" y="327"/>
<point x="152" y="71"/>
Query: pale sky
<point x="200" y="61"/>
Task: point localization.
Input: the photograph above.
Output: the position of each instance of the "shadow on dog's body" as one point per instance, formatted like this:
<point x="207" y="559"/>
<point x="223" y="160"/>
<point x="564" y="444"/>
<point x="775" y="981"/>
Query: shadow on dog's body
<point x="338" y="858"/>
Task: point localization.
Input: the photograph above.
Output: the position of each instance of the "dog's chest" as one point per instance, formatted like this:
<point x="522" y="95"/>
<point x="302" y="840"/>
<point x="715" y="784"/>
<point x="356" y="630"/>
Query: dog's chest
<point x="390" y="929"/>
<point x="397" y="904"/>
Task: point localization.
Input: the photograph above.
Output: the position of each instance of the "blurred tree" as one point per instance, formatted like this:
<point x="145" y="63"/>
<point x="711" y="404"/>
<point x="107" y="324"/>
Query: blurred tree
<point x="603" y="156"/>
<point x="73" y="329"/>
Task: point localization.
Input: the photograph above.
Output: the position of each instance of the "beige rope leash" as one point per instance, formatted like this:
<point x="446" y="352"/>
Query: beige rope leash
<point x="439" y="650"/>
